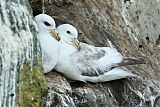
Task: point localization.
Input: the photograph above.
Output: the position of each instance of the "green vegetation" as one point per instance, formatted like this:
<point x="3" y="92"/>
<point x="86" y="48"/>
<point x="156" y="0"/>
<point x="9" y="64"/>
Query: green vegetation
<point x="32" y="85"/>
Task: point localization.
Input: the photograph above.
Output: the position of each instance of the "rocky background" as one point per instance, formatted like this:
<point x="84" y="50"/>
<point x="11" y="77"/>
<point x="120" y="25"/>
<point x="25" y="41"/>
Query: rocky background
<point x="133" y="26"/>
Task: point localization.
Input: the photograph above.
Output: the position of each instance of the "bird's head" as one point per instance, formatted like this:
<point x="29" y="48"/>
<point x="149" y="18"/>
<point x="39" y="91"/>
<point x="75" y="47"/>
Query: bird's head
<point x="46" y="23"/>
<point x="69" y="35"/>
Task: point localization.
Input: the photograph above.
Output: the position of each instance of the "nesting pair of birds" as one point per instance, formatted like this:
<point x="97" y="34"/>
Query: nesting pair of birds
<point x="79" y="61"/>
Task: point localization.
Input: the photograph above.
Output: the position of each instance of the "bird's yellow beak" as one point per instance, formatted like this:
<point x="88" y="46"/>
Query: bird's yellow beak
<point x="55" y="35"/>
<point x="76" y="43"/>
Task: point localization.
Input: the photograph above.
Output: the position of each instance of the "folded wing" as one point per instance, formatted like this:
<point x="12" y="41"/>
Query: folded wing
<point x="94" y="61"/>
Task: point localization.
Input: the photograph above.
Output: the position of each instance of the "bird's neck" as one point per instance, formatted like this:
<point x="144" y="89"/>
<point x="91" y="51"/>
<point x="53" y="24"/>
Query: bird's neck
<point x="44" y="32"/>
<point x="67" y="48"/>
<point x="46" y="39"/>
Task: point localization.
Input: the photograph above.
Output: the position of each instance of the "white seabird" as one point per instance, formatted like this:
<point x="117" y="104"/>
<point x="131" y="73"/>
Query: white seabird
<point x="49" y="41"/>
<point x="84" y="62"/>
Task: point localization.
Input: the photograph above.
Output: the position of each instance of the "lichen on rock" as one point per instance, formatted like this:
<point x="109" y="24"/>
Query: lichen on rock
<point x="32" y="84"/>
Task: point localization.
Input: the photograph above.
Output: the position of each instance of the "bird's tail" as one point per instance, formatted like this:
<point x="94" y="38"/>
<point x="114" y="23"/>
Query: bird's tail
<point x="130" y="61"/>
<point x="114" y="74"/>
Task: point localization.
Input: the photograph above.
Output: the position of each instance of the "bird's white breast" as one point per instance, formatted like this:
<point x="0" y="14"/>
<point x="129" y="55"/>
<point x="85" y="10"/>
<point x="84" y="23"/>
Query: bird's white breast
<point x="50" y="51"/>
<point x="65" y="58"/>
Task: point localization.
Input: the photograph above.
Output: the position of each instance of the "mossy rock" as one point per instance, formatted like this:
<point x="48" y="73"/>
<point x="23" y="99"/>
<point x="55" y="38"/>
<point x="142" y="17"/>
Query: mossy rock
<point x="32" y="85"/>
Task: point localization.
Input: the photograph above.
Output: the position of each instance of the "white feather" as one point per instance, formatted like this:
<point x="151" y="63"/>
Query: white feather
<point x="50" y="51"/>
<point x="114" y="74"/>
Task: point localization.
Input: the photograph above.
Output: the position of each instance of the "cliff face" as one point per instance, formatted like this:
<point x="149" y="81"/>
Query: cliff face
<point x="21" y="76"/>
<point x="133" y="27"/>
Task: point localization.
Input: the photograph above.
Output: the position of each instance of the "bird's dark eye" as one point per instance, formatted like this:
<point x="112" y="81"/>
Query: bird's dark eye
<point x="46" y="23"/>
<point x="68" y="32"/>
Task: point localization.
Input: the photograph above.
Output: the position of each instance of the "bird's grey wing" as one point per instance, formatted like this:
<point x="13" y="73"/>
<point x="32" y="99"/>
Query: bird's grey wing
<point x="94" y="61"/>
